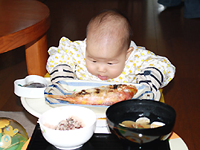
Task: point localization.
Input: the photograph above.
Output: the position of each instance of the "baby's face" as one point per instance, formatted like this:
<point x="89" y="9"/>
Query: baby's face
<point x="105" y="59"/>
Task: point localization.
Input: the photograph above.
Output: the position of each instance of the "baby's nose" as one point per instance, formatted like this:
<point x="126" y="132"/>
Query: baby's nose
<point x="101" y="68"/>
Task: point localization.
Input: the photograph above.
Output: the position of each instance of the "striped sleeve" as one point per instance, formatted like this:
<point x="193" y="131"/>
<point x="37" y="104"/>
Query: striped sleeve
<point x="151" y="77"/>
<point x="61" y="72"/>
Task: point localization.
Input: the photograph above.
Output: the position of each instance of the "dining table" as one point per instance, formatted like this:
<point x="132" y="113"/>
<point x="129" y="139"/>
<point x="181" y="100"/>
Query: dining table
<point x="25" y="23"/>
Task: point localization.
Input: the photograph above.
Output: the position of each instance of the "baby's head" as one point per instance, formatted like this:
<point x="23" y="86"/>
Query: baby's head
<point x="108" y="44"/>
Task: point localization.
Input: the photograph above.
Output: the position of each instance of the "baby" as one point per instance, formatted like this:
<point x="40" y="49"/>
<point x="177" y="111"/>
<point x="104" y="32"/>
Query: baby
<point x="108" y="54"/>
<point x="107" y="45"/>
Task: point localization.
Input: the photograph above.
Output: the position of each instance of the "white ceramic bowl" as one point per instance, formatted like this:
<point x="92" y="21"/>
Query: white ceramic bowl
<point x="30" y="92"/>
<point x="68" y="139"/>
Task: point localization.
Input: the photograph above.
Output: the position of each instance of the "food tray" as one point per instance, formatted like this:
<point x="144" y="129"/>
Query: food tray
<point x="103" y="142"/>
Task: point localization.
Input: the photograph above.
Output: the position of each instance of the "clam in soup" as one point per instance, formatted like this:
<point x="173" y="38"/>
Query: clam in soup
<point x="141" y="123"/>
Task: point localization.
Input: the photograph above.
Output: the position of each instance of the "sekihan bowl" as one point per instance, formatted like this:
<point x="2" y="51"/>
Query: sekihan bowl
<point x="67" y="139"/>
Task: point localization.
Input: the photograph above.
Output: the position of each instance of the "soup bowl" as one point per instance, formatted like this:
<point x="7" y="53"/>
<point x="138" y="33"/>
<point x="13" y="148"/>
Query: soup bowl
<point x="157" y="112"/>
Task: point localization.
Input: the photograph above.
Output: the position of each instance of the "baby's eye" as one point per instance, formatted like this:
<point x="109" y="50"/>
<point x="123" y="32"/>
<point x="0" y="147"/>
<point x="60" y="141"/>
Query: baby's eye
<point x="94" y="61"/>
<point x="110" y="63"/>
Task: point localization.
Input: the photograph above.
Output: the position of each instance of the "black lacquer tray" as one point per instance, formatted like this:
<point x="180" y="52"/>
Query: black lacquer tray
<point x="97" y="142"/>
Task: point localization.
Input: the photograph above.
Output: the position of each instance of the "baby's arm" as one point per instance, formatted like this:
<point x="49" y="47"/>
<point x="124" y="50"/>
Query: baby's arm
<point x="60" y="64"/>
<point x="61" y="72"/>
<point x="153" y="70"/>
<point x="57" y="66"/>
<point x="151" y="77"/>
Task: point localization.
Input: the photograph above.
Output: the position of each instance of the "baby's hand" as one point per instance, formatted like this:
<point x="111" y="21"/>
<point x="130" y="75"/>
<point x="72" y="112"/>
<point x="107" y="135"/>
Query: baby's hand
<point x="148" y="93"/>
<point x="61" y="72"/>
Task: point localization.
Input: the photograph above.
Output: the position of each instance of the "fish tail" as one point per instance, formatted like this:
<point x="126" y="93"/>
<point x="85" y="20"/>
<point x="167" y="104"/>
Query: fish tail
<point x="67" y="98"/>
<point x="57" y="96"/>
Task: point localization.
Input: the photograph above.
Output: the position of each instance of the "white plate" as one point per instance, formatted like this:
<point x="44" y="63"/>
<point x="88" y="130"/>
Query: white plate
<point x="38" y="106"/>
<point x="176" y="143"/>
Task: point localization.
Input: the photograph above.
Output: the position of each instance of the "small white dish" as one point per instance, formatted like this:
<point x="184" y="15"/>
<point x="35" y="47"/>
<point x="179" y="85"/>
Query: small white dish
<point x="30" y="92"/>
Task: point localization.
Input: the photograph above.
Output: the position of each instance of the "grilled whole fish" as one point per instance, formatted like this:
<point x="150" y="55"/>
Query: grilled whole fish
<point x="103" y="95"/>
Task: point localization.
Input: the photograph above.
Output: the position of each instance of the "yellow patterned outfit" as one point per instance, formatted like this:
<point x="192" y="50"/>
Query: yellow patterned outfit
<point x="73" y="54"/>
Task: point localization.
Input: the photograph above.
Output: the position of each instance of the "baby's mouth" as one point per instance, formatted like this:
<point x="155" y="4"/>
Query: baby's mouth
<point x="102" y="77"/>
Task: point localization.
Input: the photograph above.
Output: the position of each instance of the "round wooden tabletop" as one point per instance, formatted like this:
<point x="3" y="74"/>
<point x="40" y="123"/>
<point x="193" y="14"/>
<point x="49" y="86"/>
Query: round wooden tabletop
<point x="21" y="22"/>
<point x="25" y="22"/>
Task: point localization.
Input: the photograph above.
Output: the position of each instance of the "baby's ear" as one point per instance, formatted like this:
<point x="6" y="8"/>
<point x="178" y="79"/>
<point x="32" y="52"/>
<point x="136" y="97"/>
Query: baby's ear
<point x="129" y="52"/>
